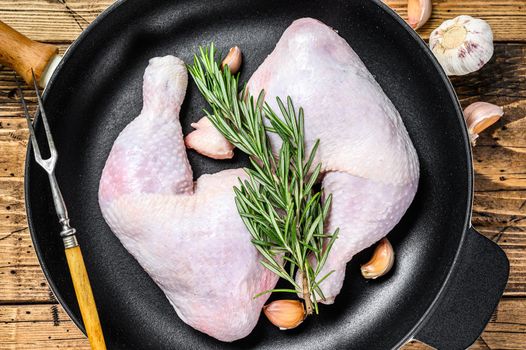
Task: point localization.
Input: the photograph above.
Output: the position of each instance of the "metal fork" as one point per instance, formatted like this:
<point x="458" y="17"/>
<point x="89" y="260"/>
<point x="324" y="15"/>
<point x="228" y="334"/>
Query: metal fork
<point x="77" y="268"/>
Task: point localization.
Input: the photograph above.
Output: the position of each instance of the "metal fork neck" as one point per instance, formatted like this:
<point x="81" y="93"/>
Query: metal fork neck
<point x="68" y="232"/>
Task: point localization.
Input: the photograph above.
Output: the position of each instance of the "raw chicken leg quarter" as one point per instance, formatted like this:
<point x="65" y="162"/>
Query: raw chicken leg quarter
<point x="369" y="163"/>
<point x="189" y="237"/>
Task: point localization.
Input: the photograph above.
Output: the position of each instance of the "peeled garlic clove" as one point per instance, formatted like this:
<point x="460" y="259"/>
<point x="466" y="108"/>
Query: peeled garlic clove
<point x="462" y="45"/>
<point x="233" y="60"/>
<point x="381" y="262"/>
<point x="285" y="314"/>
<point x="479" y="116"/>
<point x="208" y="141"/>
<point x="418" y="12"/>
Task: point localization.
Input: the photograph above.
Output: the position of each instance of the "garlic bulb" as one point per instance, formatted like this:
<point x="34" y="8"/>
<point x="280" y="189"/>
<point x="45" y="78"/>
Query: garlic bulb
<point x="479" y="116"/>
<point x="285" y="314"/>
<point x="462" y="45"/>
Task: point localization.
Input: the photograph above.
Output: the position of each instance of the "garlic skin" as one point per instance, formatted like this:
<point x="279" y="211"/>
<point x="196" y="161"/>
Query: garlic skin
<point x="462" y="45"/>
<point x="480" y="116"/>
<point x="381" y="262"/>
<point x="233" y="60"/>
<point x="285" y="314"/>
<point x="418" y="12"/>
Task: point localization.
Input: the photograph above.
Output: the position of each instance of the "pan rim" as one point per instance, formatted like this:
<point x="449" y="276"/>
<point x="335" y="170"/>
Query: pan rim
<point x="469" y="157"/>
<point x="421" y="43"/>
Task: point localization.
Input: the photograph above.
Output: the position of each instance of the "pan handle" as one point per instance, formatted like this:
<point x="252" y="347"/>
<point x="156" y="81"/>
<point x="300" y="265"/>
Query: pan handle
<point x="470" y="296"/>
<point x="20" y="53"/>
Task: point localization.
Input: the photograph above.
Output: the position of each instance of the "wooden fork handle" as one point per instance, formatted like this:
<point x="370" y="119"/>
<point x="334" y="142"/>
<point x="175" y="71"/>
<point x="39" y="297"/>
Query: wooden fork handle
<point x="88" y="309"/>
<point x="21" y="53"/>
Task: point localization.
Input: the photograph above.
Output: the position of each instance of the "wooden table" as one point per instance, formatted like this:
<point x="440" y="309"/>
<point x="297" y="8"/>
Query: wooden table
<point x="30" y="317"/>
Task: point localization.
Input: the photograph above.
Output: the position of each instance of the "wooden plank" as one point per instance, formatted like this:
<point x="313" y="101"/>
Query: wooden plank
<point x="12" y="159"/>
<point x="500" y="155"/>
<point x="9" y="100"/>
<point x="13" y="129"/>
<point x="503" y="76"/>
<point x="45" y="326"/>
<point x="21" y="278"/>
<point x="416" y="345"/>
<point x="491" y="160"/>
<point x="51" y="21"/>
<point x="507" y="18"/>
<point x="23" y="284"/>
<point x="38" y="327"/>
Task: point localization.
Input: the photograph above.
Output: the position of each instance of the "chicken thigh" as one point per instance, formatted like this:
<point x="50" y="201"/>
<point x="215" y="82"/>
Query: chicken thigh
<point x="369" y="163"/>
<point x="188" y="237"/>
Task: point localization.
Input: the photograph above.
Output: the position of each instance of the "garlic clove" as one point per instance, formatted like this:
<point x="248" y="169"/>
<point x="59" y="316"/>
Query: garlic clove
<point x="418" y="12"/>
<point x="285" y="314"/>
<point x="233" y="60"/>
<point x="381" y="262"/>
<point x="462" y="45"/>
<point x="208" y="141"/>
<point x="479" y="116"/>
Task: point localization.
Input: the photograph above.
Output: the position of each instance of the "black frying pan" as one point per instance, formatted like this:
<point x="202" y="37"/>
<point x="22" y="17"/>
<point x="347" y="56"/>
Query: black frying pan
<point x="447" y="279"/>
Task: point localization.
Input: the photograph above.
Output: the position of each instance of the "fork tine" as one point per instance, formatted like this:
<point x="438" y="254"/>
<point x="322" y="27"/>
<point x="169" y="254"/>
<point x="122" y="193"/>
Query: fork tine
<point x="36" y="149"/>
<point x="51" y="144"/>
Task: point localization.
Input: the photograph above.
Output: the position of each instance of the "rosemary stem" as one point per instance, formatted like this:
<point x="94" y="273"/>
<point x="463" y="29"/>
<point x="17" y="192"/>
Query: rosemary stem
<point x="277" y="203"/>
<point x="306" y="294"/>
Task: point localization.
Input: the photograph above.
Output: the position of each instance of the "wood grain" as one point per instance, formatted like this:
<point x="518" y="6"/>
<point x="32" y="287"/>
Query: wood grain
<point x="21" y="278"/>
<point x="23" y="54"/>
<point x="507" y="18"/>
<point x="51" y="21"/>
<point x="88" y="308"/>
<point x="41" y="327"/>
<point x="38" y="327"/>
<point x="29" y="316"/>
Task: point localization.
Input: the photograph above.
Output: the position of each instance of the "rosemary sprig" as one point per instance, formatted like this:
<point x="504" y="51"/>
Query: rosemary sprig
<point x="282" y="211"/>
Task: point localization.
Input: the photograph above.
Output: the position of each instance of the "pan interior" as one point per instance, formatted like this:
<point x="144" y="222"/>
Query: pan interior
<point x="97" y="92"/>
